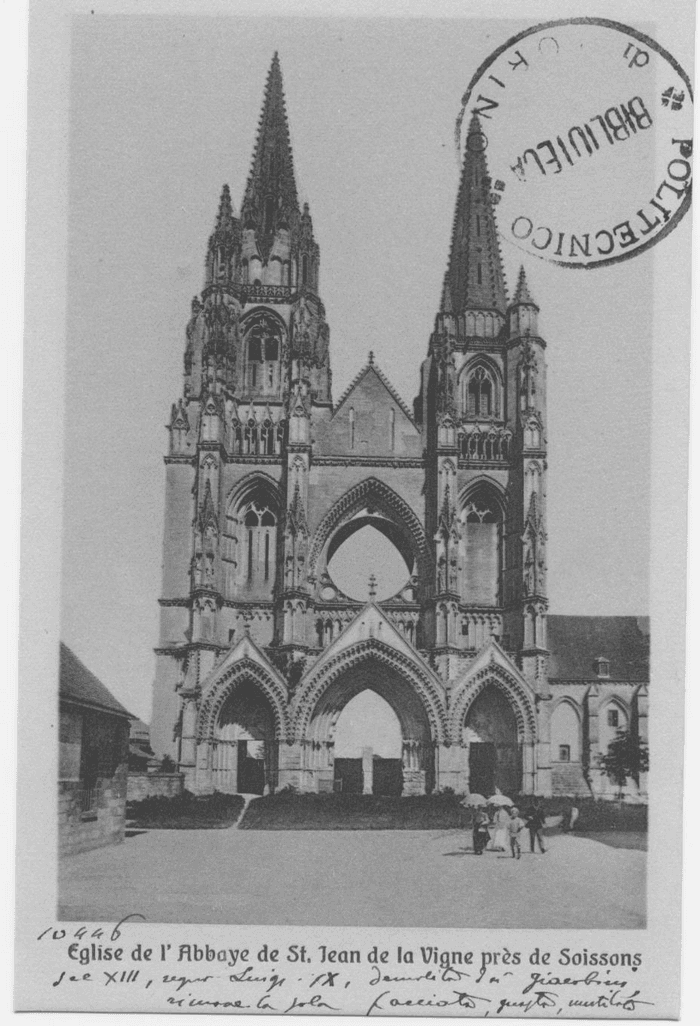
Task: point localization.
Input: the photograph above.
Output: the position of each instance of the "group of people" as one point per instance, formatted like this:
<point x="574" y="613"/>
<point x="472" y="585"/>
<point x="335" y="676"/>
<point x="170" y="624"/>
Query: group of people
<point x="506" y="825"/>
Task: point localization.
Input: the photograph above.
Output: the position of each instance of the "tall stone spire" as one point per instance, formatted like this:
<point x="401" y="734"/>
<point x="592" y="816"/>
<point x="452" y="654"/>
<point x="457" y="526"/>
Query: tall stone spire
<point x="474" y="278"/>
<point x="270" y="200"/>
<point x="224" y="218"/>
<point x="223" y="242"/>
<point x="522" y="291"/>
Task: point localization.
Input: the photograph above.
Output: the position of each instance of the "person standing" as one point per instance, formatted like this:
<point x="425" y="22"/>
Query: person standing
<point x="535" y="824"/>
<point x="480" y="830"/>
<point x="500" y="822"/>
<point x="515" y="825"/>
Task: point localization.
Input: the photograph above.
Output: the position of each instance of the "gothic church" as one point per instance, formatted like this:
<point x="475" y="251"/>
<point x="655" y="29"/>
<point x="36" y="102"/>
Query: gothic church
<point x="267" y="477"/>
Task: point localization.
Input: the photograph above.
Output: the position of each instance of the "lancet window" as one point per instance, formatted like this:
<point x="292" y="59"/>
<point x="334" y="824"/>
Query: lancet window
<point x="565" y="732"/>
<point x="250" y="545"/>
<point x="483" y="543"/>
<point x="257" y="438"/>
<point x="260" y="534"/>
<point x="481" y="394"/>
<point x="263" y="343"/>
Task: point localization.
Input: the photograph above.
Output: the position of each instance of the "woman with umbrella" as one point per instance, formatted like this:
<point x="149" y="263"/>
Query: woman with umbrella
<point x="501" y="803"/>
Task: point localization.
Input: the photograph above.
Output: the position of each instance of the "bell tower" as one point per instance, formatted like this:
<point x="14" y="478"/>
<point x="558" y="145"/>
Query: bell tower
<point x="256" y="372"/>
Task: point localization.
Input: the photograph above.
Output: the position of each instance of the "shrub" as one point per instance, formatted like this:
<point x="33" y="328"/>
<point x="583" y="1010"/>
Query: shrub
<point x="289" y="811"/>
<point x="626" y="757"/>
<point x="187" y="811"/>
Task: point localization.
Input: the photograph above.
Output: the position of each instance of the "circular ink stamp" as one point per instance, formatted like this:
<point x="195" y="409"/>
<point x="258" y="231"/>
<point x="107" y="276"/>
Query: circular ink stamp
<point x="587" y="127"/>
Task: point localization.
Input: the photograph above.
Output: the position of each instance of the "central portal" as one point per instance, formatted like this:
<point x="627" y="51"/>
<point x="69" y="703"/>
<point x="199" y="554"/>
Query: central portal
<point x="368" y="747"/>
<point x="370" y="734"/>
<point x="482" y="768"/>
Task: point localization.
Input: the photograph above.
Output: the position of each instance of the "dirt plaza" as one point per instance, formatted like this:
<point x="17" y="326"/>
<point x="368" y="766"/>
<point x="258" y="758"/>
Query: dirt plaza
<point x="354" y="878"/>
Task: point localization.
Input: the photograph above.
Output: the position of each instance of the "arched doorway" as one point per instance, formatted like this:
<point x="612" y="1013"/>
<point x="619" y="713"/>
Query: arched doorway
<point x="368" y="729"/>
<point x="491" y="735"/>
<point x="244" y="756"/>
<point x="417" y="744"/>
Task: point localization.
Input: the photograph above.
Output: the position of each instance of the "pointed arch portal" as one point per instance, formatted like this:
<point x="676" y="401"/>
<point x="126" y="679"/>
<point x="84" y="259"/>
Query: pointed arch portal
<point x="491" y="733"/>
<point x="407" y="688"/>
<point x="493" y="720"/>
<point x="413" y="771"/>
<point x="244" y="752"/>
<point x="241" y="720"/>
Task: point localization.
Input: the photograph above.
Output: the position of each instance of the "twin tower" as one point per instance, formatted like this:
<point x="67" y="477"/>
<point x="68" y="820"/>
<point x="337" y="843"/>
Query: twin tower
<point x="259" y="649"/>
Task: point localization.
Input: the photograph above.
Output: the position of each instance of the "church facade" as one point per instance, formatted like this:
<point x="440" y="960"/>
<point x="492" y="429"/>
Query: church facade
<point x="266" y="477"/>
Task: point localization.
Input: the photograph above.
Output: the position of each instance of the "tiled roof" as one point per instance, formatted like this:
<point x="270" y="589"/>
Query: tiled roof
<point x="77" y="684"/>
<point x="575" y="642"/>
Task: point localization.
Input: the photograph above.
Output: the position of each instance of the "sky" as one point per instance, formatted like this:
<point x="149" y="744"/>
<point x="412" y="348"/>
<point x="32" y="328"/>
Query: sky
<point x="163" y="111"/>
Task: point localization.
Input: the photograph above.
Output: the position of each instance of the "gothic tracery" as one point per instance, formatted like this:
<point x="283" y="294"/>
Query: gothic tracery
<point x="260" y="649"/>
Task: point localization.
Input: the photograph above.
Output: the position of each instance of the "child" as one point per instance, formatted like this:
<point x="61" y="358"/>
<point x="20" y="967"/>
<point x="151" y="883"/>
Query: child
<point x="515" y="825"/>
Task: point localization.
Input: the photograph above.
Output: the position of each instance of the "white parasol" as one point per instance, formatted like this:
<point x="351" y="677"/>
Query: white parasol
<point x="472" y="801"/>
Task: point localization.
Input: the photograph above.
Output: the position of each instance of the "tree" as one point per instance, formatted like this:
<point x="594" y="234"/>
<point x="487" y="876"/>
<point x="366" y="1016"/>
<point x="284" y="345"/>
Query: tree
<point x="627" y="756"/>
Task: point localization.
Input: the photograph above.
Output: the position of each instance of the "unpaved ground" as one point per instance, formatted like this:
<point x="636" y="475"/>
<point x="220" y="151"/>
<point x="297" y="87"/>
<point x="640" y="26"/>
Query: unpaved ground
<point x="354" y="878"/>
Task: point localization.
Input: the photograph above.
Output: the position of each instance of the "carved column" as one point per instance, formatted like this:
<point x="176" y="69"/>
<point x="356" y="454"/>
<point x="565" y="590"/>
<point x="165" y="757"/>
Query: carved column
<point x="529" y="767"/>
<point x="202" y="781"/>
<point x="367" y="771"/>
<point x="413" y="770"/>
<point x="188" y="742"/>
<point x="543" y="777"/>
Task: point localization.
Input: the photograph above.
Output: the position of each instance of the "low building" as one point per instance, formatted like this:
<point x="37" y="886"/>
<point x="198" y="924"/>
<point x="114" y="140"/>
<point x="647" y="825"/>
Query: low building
<point x="93" y="760"/>
<point x="141" y="756"/>
<point x="149" y="776"/>
<point x="599" y="685"/>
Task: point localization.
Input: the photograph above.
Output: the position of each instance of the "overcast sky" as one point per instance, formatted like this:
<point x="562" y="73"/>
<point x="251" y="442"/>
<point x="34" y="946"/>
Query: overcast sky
<point x="164" y="110"/>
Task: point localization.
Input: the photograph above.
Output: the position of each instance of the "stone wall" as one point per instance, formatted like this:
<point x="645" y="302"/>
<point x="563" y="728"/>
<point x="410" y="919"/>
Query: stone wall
<point x="93" y="767"/>
<point x="568" y="779"/>
<point x="153" y="785"/>
<point x="81" y="828"/>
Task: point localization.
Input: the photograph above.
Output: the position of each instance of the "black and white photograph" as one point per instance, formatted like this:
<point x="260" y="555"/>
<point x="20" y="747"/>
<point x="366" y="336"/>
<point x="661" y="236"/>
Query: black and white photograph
<point x="353" y="587"/>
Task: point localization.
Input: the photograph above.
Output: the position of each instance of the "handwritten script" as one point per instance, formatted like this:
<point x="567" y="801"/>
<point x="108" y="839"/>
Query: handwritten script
<point x="96" y="966"/>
